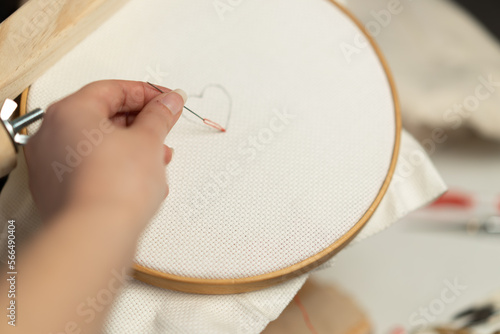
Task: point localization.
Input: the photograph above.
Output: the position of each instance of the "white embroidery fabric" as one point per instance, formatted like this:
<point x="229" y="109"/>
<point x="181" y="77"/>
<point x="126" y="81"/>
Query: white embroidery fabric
<point x="142" y="308"/>
<point x="306" y="182"/>
<point x="309" y="141"/>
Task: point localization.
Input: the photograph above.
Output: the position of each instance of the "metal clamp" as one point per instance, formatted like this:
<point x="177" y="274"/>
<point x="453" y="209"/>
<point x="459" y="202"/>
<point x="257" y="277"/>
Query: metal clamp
<point x="15" y="126"/>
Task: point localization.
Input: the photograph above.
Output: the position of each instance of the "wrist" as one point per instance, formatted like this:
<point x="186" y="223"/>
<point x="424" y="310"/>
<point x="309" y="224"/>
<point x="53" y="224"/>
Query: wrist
<point x="104" y="216"/>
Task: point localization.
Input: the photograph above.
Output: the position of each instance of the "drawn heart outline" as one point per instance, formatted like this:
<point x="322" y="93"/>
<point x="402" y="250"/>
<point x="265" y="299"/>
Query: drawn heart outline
<point x="214" y="103"/>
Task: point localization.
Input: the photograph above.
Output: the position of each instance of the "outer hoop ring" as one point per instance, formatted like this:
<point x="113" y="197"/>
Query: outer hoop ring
<point x="240" y="285"/>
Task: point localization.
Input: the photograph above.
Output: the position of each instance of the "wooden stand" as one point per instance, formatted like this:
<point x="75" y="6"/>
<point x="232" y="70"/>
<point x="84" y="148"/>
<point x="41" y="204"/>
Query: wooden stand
<point x="38" y="34"/>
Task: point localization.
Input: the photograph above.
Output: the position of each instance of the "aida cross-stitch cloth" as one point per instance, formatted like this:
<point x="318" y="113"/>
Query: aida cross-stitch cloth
<point x="270" y="72"/>
<point x="142" y="308"/>
<point x="309" y="137"/>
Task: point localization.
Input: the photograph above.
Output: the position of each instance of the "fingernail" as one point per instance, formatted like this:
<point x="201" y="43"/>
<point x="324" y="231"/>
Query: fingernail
<point x="173" y="151"/>
<point x="183" y="94"/>
<point x="173" y="102"/>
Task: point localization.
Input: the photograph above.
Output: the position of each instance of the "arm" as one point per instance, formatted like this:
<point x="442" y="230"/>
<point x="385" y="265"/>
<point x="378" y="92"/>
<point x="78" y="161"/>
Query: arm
<point x="95" y="210"/>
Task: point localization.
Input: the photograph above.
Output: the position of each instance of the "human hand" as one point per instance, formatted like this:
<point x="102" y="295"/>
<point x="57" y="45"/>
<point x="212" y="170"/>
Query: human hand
<point x="101" y="148"/>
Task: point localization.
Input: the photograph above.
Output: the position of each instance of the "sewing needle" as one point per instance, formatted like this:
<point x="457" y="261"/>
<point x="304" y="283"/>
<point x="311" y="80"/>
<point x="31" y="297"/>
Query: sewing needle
<point x="205" y="120"/>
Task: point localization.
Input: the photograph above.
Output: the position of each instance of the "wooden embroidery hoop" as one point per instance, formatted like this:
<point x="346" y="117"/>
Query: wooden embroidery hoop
<point x="240" y="285"/>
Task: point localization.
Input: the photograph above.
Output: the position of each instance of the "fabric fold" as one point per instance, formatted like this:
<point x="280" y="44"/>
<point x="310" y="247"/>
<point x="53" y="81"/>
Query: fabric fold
<point x="142" y="308"/>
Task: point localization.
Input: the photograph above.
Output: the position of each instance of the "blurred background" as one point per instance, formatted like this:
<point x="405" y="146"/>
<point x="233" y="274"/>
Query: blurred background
<point x="444" y="55"/>
<point x="443" y="259"/>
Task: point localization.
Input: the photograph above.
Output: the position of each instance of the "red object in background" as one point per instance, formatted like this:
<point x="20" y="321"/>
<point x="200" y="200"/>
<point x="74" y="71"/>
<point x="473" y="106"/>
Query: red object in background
<point x="398" y="330"/>
<point x="455" y="199"/>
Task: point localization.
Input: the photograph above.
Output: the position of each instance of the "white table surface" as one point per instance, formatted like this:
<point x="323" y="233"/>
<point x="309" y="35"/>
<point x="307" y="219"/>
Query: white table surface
<point x="396" y="273"/>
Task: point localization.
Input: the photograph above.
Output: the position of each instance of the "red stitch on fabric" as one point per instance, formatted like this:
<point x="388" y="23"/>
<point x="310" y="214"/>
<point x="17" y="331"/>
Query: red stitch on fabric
<point x="307" y="320"/>
<point x="213" y="125"/>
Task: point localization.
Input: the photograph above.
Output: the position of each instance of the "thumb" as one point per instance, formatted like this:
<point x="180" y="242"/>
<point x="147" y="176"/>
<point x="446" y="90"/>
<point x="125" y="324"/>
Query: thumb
<point x="161" y="114"/>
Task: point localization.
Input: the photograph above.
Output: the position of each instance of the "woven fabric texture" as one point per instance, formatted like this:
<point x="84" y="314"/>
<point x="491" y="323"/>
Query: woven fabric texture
<point x="309" y="141"/>
<point x="142" y="308"/>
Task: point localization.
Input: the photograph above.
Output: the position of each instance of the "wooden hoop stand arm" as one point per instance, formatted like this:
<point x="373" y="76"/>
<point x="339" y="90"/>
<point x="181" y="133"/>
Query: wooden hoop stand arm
<point x="39" y="33"/>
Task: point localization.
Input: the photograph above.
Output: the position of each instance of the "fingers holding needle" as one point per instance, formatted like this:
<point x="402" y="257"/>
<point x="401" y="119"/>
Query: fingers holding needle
<point x="205" y="120"/>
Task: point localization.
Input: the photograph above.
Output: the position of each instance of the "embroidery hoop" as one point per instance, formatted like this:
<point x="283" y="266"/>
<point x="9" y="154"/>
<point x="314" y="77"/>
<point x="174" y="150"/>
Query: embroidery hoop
<point x="239" y="285"/>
